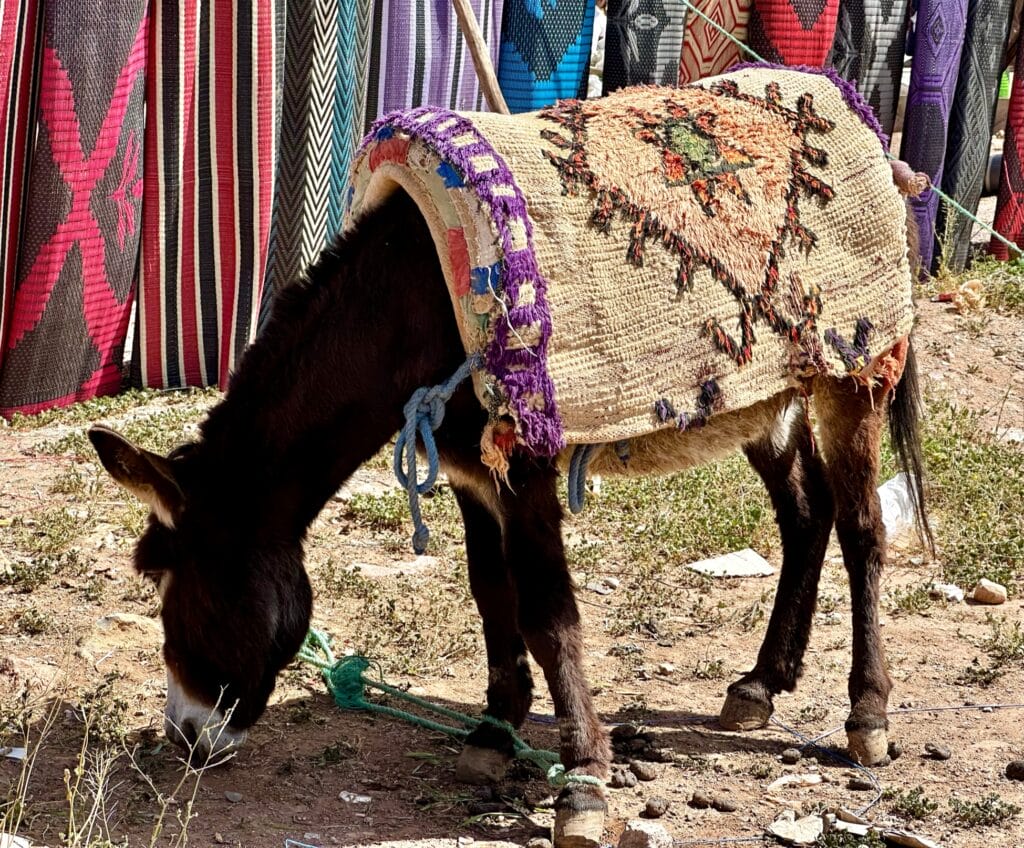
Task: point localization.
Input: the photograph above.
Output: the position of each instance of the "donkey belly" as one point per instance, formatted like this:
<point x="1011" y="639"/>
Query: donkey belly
<point x="670" y="450"/>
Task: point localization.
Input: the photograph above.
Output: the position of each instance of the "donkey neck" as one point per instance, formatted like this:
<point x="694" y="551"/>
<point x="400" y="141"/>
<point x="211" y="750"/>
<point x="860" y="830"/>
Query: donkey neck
<point x="323" y="388"/>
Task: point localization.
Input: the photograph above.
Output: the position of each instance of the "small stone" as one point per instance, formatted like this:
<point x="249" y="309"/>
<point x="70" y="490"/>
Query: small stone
<point x="665" y="668"/>
<point x="701" y="800"/>
<point x="644" y="834"/>
<point x="937" y="752"/>
<point x="987" y="592"/>
<point x="895" y="750"/>
<point x="791" y="756"/>
<point x="858" y="830"/>
<point x="1015" y="770"/>
<point x="622" y="732"/>
<point x="218" y="838"/>
<point x="946" y="591"/>
<point x="599" y="588"/>
<point x="233" y="797"/>
<point x="655" y="808"/>
<point x="723" y="805"/>
<point x="793" y="831"/>
<point x="642" y="770"/>
<point x="538" y="842"/>
<point x="860" y="784"/>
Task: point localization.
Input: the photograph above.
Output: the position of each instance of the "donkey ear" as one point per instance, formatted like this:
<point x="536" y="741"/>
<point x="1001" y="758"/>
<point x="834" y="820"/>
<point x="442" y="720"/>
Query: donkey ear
<point x="148" y="476"/>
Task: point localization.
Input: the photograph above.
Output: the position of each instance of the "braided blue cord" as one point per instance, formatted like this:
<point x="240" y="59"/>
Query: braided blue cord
<point x="578" y="476"/>
<point x="424" y="413"/>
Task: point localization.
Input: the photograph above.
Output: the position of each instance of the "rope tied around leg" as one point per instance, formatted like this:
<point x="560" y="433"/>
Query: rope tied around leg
<point x="346" y="680"/>
<point x="424" y="413"/>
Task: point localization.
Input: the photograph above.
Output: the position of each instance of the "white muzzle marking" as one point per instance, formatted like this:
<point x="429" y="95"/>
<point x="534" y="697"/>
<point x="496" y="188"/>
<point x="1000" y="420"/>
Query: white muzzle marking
<point x="204" y="730"/>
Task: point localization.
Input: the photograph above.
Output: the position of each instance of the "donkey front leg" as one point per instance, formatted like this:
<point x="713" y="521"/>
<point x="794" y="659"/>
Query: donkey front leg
<point x="550" y="623"/>
<point x="851" y="424"/>
<point x="488" y="749"/>
<point x="793" y="474"/>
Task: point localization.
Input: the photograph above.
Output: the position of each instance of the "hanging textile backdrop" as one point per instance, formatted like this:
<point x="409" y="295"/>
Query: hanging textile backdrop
<point x="870" y="39"/>
<point x="348" y="62"/>
<point x="706" y="51"/>
<point x="792" y="32"/>
<point x="938" y="40"/>
<point x="19" y="25"/>
<point x="643" y="42"/>
<point x="322" y="116"/>
<point x="78" y="247"/>
<point x="970" y="123"/>
<point x="545" y="51"/>
<point x="211" y="132"/>
<point x="1009" y="220"/>
<point x="418" y="55"/>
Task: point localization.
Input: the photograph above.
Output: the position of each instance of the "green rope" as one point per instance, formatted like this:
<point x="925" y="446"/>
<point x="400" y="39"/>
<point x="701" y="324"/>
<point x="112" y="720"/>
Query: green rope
<point x="347" y="680"/>
<point x="949" y="200"/>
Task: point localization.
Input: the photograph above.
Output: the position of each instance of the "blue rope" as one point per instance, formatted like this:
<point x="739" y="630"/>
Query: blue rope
<point x="581" y="455"/>
<point x="424" y="413"/>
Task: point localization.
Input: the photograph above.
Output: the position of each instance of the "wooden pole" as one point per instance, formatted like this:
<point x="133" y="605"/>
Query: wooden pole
<point x="481" y="56"/>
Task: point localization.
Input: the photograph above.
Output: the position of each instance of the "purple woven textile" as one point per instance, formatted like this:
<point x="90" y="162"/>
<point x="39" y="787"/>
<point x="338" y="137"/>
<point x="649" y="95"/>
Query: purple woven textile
<point x="521" y="371"/>
<point x="418" y="57"/>
<point x="938" y="42"/>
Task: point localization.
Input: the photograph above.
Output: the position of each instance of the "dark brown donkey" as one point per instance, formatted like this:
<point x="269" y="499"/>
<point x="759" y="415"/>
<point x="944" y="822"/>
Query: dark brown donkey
<point x="322" y="390"/>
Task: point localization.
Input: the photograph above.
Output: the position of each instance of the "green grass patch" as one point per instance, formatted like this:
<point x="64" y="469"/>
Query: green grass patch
<point x="985" y="812"/>
<point x="1003" y="283"/>
<point x="95" y="409"/>
<point x="910" y="804"/>
<point x="975" y="496"/>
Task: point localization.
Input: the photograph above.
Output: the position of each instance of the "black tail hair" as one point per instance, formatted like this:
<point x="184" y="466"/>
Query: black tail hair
<point x="904" y="432"/>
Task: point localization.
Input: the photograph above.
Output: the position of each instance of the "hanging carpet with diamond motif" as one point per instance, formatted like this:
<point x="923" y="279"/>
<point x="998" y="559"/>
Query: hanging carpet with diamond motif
<point x="657" y="257"/>
<point x="79" y="237"/>
<point x="792" y="32"/>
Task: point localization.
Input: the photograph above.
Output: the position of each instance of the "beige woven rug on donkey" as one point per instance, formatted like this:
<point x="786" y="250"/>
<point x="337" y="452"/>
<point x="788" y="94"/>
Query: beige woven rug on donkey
<point x="657" y="257"/>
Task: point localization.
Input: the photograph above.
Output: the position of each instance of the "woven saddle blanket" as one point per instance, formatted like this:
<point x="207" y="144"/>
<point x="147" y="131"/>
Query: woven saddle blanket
<point x="656" y="257"/>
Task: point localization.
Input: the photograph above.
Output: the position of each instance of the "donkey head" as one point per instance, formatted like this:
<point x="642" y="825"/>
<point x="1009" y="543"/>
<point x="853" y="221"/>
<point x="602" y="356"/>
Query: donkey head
<point x="236" y="599"/>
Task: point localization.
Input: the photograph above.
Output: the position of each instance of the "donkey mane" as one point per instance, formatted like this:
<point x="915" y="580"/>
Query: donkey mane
<point x="377" y="287"/>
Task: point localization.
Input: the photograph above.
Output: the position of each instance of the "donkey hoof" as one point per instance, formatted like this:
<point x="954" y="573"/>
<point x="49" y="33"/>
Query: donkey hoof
<point x="481" y="765"/>
<point x="868" y="746"/>
<point x="744" y="710"/>
<point x="579" y="817"/>
<point x="578" y="828"/>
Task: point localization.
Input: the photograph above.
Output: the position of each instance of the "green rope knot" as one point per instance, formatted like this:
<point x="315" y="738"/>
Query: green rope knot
<point x="559" y="778"/>
<point x="346" y="680"/>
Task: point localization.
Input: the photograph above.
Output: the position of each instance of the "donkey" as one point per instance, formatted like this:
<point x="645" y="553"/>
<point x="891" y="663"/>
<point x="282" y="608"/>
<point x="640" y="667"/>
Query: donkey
<point x="322" y="390"/>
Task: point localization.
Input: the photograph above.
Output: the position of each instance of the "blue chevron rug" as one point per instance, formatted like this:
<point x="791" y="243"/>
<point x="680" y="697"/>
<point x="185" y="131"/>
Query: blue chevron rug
<point x="545" y="51"/>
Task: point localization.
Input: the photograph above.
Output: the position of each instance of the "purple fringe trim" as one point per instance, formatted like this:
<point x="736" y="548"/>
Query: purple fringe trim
<point x="854" y="99"/>
<point x="523" y="372"/>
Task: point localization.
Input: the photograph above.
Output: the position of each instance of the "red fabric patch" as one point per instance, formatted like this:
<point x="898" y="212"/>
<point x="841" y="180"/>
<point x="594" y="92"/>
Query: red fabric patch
<point x="389" y="150"/>
<point x="458" y="255"/>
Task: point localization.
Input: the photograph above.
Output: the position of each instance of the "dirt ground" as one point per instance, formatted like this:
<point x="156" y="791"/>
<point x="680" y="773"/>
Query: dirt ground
<point x="286" y="782"/>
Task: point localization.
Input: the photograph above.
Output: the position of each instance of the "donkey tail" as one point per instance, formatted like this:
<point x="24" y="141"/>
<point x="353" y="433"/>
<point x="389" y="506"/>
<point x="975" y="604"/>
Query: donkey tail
<point x="904" y="432"/>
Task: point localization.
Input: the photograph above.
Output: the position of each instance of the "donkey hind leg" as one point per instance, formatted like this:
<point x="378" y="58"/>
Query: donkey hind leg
<point x="550" y="623"/>
<point x="488" y="749"/>
<point x="792" y="471"/>
<point x="851" y="425"/>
